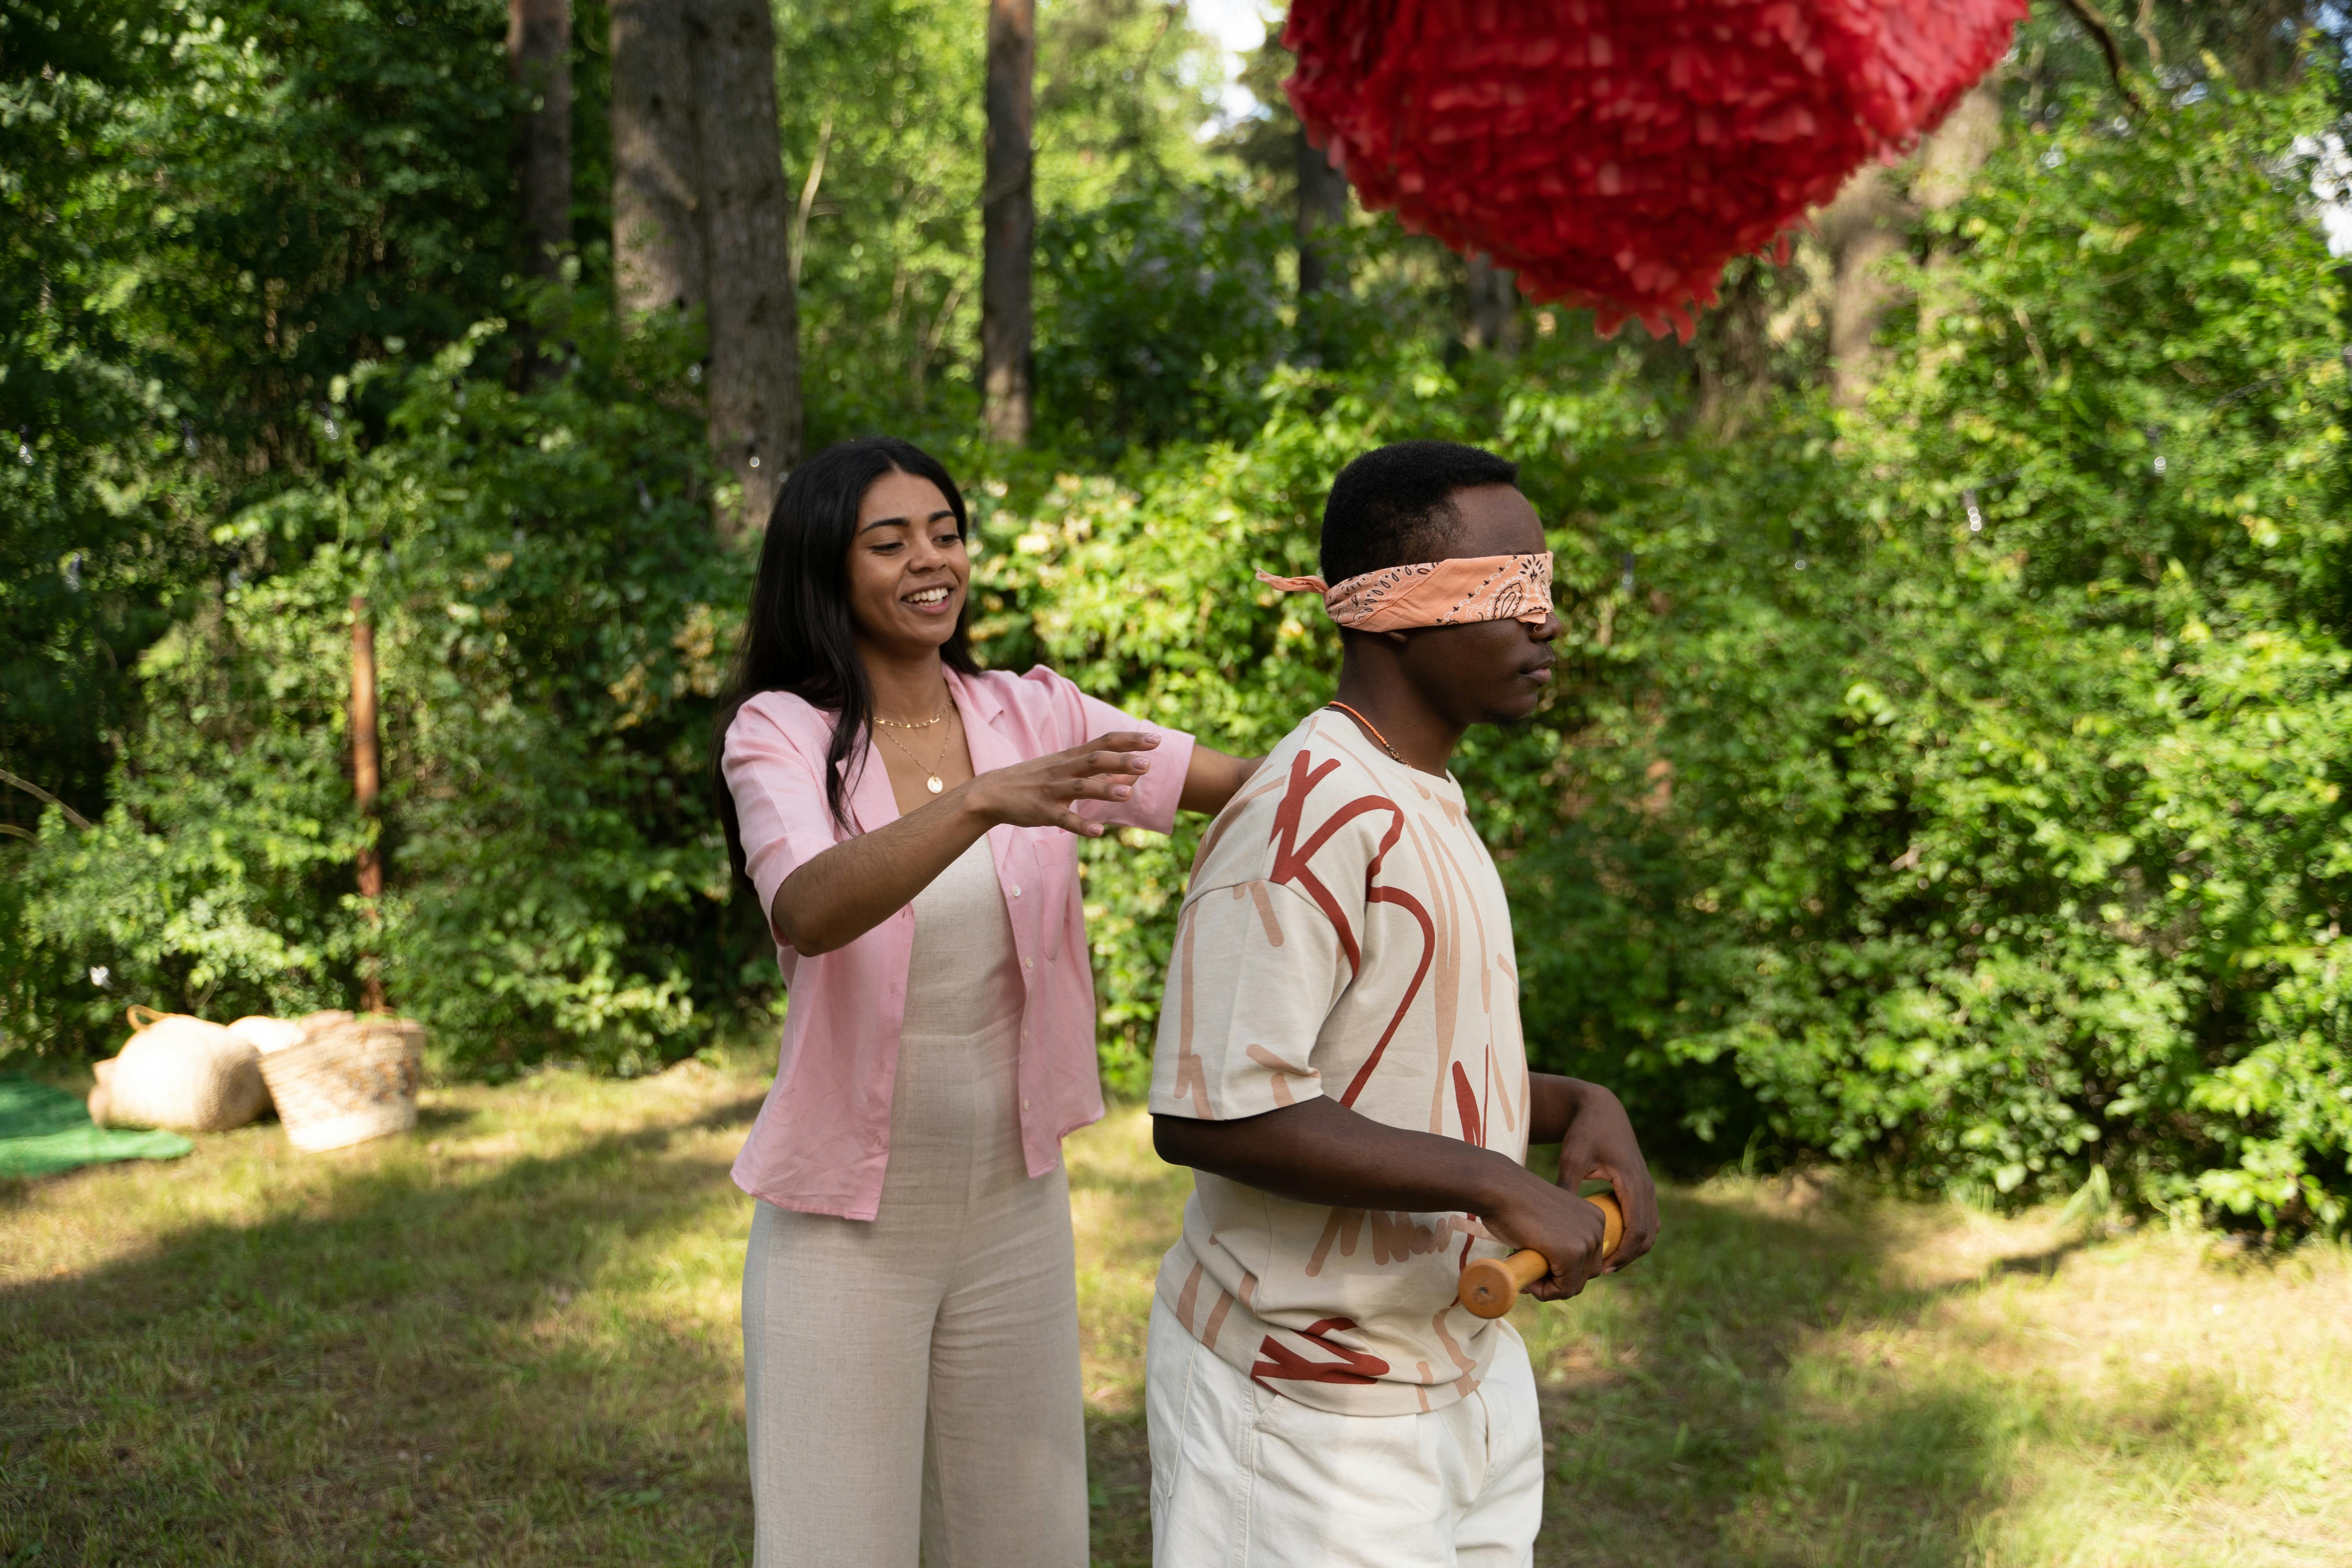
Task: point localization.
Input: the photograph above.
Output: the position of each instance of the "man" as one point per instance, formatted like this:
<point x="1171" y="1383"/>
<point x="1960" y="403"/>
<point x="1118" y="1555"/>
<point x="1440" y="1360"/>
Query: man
<point x="1339" y="1061"/>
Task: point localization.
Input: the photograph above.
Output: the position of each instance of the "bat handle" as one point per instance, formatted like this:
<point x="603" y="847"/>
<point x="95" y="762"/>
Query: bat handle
<point x="1490" y="1285"/>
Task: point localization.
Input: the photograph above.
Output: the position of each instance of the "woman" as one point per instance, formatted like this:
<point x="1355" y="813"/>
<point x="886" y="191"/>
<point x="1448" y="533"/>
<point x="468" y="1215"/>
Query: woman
<point x="910" y="1334"/>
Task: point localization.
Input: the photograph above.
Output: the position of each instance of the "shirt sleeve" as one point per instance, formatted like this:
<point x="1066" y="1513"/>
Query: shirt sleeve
<point x="1081" y="718"/>
<point x="1257" y="970"/>
<point x="780" y="806"/>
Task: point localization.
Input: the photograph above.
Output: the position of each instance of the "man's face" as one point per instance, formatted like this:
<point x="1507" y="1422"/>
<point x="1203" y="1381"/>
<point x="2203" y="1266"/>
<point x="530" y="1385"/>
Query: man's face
<point x="1488" y="672"/>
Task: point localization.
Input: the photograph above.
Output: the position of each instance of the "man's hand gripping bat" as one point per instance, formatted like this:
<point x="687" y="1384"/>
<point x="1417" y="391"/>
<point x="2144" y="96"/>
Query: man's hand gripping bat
<point x="1490" y="1285"/>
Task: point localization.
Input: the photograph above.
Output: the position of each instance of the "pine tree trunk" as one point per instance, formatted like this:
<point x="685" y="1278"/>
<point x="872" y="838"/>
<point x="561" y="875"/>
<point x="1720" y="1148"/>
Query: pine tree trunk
<point x="539" y="55"/>
<point x="1863" y="227"/>
<point x="1733" y="353"/>
<point x="747" y="211"/>
<point x="657" y="242"/>
<point x="1322" y="203"/>
<point x="1867" y="223"/>
<point x="1960" y="146"/>
<point x="1008" y="216"/>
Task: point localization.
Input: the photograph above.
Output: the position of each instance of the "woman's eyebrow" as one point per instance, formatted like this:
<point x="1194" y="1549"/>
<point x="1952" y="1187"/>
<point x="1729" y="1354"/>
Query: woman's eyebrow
<point x="903" y="521"/>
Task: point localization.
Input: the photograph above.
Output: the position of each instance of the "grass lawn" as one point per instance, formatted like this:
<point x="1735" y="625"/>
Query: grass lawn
<point x="512" y="1338"/>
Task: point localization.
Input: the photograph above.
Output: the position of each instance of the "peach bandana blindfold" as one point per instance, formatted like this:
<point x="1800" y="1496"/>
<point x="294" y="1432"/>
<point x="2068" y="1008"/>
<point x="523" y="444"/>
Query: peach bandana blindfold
<point x="1435" y="592"/>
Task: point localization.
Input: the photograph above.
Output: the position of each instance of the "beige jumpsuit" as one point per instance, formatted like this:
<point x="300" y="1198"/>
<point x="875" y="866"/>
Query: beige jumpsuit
<point x="916" y="1378"/>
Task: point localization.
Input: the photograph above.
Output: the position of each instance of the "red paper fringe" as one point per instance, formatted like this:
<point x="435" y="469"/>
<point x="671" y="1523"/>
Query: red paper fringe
<point x="1616" y="153"/>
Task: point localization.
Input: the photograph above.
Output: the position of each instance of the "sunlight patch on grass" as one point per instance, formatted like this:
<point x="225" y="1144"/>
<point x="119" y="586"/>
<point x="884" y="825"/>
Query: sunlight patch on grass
<point x="1806" y="1379"/>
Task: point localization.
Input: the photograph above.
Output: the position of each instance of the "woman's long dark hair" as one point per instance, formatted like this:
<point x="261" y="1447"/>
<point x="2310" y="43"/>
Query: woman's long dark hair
<point x="797" y="633"/>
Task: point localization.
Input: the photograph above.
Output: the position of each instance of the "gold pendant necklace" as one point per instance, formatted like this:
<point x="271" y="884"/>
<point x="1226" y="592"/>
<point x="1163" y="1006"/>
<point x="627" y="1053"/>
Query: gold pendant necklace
<point x="934" y="782"/>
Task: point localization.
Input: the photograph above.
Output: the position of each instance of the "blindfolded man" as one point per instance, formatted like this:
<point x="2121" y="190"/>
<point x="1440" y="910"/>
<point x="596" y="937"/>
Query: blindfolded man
<point x="1339" y="1060"/>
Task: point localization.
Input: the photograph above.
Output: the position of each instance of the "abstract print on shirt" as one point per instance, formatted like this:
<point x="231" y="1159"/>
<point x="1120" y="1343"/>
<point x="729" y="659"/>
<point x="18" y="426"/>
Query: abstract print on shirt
<point x="1344" y="934"/>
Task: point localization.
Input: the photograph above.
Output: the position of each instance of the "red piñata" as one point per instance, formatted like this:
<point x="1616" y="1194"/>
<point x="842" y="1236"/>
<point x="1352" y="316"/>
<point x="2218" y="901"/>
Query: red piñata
<point x="1616" y="153"/>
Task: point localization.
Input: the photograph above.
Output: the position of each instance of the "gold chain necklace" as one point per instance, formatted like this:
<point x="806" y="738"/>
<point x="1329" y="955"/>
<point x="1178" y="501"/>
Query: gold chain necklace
<point x="933" y="783"/>
<point x="915" y="724"/>
<point x="1368" y="724"/>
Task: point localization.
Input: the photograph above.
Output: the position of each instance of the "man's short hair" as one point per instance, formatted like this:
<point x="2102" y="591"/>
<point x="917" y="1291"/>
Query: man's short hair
<point x="1394" y="505"/>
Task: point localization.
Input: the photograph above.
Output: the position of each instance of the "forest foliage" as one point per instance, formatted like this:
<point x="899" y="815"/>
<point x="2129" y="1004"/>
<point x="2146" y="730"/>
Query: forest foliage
<point x="1945" y="780"/>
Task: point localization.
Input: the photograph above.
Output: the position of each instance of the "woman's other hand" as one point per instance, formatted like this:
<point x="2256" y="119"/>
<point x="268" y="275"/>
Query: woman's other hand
<point x="1038" y="792"/>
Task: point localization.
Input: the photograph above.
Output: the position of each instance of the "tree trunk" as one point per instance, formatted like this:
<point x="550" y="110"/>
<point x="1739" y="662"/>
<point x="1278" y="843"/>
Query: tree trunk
<point x="1733" y="352"/>
<point x="702" y="216"/>
<point x="657" y="242"/>
<point x="747" y="209"/>
<point x="1863" y="227"/>
<point x="1008" y="220"/>
<point x="539" y="55"/>
<point x="1322" y="203"/>
<point x="1494" y="307"/>
<point x="1959" y="147"/>
<point x="1867" y="224"/>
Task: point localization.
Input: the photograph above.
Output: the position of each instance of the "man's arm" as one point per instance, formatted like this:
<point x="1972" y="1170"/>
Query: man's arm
<point x="1319" y="1152"/>
<point x="1596" y="1142"/>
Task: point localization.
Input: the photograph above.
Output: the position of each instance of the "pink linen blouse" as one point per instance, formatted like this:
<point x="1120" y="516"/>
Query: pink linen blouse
<point x="822" y="1136"/>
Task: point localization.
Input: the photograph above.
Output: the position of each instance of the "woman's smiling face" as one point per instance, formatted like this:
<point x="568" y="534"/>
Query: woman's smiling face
<point x="908" y="567"/>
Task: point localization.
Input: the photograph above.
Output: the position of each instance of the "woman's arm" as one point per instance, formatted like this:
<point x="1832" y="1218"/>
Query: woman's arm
<point x="1213" y="778"/>
<point x="840" y="895"/>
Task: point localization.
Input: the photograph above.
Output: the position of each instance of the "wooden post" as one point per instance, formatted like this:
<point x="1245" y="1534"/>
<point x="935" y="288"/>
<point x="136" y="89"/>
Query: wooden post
<point x="1008" y="222"/>
<point x="366" y="785"/>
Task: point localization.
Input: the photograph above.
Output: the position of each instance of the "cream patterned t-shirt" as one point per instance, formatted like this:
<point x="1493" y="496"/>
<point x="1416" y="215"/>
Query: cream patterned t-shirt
<point x="1345" y="934"/>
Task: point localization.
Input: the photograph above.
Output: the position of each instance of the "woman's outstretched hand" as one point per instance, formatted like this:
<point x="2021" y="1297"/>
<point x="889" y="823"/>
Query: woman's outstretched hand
<point x="846" y="891"/>
<point x="1039" y="793"/>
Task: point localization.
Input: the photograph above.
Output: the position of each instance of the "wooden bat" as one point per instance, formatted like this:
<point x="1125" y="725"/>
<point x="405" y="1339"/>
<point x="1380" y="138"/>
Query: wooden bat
<point x="1490" y="1285"/>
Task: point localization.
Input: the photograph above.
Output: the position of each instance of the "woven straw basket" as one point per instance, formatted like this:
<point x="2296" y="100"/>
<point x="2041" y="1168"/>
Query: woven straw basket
<point x="351" y="1080"/>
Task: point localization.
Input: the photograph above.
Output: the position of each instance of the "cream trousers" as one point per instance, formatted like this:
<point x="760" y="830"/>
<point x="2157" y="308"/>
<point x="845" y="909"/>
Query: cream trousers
<point x="1242" y="1478"/>
<point x="916" y="1379"/>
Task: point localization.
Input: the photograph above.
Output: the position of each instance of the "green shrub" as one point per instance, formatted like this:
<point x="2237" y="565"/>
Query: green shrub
<point x="2001" y="860"/>
<point x="553" y="617"/>
<point x="1950" y="786"/>
<point x="1164" y="313"/>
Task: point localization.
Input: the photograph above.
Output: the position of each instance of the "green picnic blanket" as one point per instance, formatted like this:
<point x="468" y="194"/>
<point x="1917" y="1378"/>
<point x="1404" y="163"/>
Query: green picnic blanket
<point x="44" y="1129"/>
